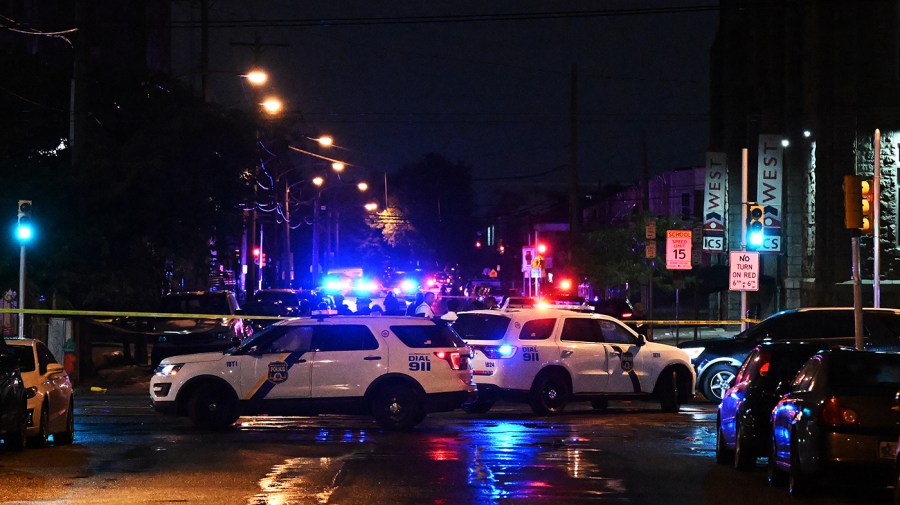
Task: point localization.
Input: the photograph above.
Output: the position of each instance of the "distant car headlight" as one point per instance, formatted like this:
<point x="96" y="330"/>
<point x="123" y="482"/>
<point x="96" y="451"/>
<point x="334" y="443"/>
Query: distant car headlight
<point x="693" y="352"/>
<point x="168" y="370"/>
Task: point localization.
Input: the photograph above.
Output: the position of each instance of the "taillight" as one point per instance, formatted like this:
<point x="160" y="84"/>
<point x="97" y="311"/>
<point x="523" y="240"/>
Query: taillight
<point x="626" y="315"/>
<point x="456" y="360"/>
<point x="832" y="413"/>
<point x="498" y="351"/>
<point x="766" y="359"/>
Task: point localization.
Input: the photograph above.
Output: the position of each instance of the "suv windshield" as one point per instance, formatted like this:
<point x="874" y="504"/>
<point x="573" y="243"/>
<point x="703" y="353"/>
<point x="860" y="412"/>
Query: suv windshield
<point x="481" y="326"/>
<point x="209" y="303"/>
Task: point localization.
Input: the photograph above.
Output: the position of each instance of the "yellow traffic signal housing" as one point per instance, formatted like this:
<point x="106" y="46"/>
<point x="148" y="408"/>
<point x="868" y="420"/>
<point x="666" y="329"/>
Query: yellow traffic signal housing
<point x="756" y="230"/>
<point x="859" y="204"/>
<point x="867" y="206"/>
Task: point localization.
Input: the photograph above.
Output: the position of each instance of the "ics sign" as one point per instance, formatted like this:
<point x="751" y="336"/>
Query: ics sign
<point x="678" y="249"/>
<point x="744" y="275"/>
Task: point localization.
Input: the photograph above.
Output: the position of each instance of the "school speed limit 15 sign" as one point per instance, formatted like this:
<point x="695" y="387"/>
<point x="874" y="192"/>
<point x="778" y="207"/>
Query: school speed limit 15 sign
<point x="678" y="249"/>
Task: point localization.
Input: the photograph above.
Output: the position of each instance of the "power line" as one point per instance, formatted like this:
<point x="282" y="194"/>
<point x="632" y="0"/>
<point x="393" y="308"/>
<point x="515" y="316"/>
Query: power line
<point x="460" y="18"/>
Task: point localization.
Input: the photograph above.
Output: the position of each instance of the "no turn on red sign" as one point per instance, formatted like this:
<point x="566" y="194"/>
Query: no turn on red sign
<point x="744" y="275"/>
<point x="678" y="249"/>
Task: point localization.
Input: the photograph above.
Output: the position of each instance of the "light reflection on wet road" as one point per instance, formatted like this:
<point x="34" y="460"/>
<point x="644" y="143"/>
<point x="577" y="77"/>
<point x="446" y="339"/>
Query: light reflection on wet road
<point x="630" y="454"/>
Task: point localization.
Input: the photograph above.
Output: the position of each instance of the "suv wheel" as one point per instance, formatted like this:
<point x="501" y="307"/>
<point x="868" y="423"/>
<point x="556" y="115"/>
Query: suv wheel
<point x="549" y="394"/>
<point x="212" y="407"/>
<point x="716" y="381"/>
<point x="397" y="408"/>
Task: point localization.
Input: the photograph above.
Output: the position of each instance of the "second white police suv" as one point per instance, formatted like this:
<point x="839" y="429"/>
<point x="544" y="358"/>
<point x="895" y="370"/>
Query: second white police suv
<point x="548" y="357"/>
<point x="394" y="368"/>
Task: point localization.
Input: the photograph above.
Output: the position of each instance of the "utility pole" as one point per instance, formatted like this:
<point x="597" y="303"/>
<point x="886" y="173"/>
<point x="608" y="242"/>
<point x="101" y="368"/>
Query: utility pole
<point x="257" y="46"/>
<point x="574" y="218"/>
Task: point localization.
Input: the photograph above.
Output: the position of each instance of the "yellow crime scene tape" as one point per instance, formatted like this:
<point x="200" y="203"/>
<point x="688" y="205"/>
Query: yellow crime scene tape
<point x="172" y="315"/>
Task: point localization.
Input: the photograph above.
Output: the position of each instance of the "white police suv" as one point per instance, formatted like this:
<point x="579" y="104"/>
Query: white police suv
<point x="548" y="357"/>
<point x="394" y="368"/>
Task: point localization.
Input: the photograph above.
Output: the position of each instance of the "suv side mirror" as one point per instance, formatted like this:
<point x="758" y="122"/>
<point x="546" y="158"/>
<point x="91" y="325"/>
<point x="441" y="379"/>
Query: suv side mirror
<point x="642" y="340"/>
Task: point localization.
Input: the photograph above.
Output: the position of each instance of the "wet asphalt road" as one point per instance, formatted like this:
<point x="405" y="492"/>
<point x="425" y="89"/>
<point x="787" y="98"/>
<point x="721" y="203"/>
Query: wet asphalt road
<point x="124" y="453"/>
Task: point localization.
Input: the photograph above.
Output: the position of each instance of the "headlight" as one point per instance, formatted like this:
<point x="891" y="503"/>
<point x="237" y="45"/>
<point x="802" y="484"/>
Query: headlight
<point x="168" y="370"/>
<point x="693" y="352"/>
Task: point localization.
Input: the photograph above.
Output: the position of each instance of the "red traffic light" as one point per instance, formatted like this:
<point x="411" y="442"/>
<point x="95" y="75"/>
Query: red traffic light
<point x="541" y="248"/>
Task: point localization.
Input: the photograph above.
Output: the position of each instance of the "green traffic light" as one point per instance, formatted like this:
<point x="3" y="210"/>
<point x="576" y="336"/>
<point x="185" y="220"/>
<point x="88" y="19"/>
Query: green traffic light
<point x="24" y="231"/>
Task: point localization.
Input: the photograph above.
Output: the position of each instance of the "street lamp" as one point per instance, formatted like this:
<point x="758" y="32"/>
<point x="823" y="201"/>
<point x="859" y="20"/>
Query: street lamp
<point x="272" y="106"/>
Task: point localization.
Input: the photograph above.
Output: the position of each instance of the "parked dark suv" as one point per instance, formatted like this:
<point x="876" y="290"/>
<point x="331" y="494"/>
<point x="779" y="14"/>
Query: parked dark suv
<point x="13" y="403"/>
<point x="176" y="336"/>
<point x="274" y="302"/>
<point x="717" y="360"/>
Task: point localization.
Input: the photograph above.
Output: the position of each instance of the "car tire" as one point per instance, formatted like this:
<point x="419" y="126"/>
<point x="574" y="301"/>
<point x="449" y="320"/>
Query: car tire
<point x="68" y="436"/>
<point x="43" y="435"/>
<point x="549" y="394"/>
<point x="774" y="475"/>
<point x="667" y="391"/>
<point x="716" y="381"/>
<point x="213" y="407"/>
<point x="397" y="408"/>
<point x="477" y="407"/>
<point x="744" y="457"/>
<point x="799" y="484"/>
<point x="600" y="404"/>
<point x="724" y="455"/>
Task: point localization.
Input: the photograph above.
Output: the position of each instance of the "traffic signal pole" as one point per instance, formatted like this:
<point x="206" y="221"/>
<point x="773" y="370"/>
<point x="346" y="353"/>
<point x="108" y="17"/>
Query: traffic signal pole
<point x="744" y="200"/>
<point x="876" y="218"/>
<point x="21" y="291"/>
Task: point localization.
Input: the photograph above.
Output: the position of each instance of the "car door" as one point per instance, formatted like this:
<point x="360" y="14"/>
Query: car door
<point x="627" y="365"/>
<point x="583" y="353"/>
<point x="58" y="385"/>
<point x="346" y="359"/>
<point x="279" y="366"/>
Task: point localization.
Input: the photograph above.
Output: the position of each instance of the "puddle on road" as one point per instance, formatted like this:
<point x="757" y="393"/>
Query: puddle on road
<point x="299" y="480"/>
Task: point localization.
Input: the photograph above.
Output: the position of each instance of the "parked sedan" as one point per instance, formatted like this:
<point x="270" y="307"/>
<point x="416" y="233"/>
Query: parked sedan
<point x="51" y="405"/>
<point x="839" y="416"/>
<point x="744" y="426"/>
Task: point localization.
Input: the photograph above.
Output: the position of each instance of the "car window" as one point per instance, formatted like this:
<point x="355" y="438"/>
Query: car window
<point x="425" y="336"/>
<point x="614" y="333"/>
<point x="292" y="339"/>
<point x="882" y="325"/>
<point x="750" y="363"/>
<point x="581" y="330"/>
<point x="857" y="369"/>
<point x="806" y="325"/>
<point x="25" y="356"/>
<point x="805" y="379"/>
<point x="537" y="329"/>
<point x="343" y="337"/>
<point x="45" y="357"/>
<point x="473" y="326"/>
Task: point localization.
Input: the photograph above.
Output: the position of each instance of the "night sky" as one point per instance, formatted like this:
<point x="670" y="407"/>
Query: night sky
<point x="491" y="92"/>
